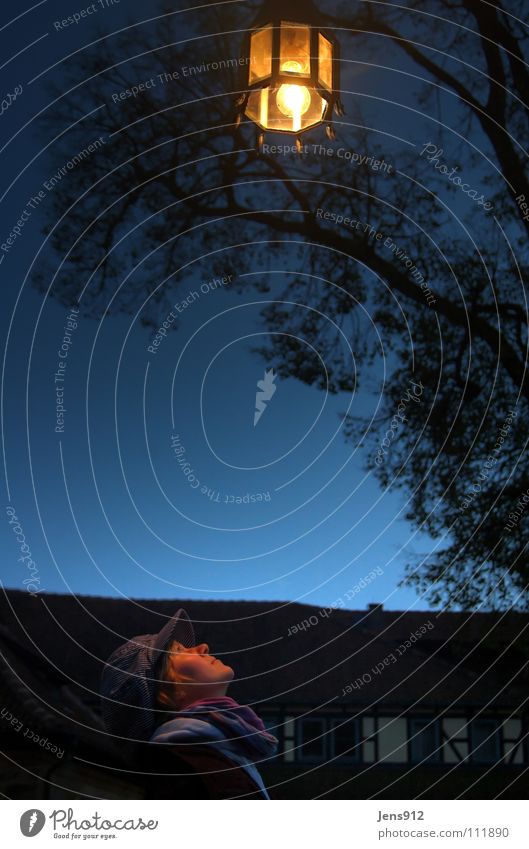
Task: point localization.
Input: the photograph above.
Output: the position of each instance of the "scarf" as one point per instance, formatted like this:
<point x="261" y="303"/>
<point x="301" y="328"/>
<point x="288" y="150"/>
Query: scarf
<point x="234" y="730"/>
<point x="239" y="724"/>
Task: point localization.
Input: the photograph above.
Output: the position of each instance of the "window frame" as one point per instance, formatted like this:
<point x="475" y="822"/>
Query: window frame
<point x="356" y="755"/>
<point x="494" y="738"/>
<point x="434" y="722"/>
<point x="322" y="738"/>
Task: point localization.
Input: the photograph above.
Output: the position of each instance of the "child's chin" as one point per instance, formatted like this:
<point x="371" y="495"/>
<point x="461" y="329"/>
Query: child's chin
<point x="228" y="673"/>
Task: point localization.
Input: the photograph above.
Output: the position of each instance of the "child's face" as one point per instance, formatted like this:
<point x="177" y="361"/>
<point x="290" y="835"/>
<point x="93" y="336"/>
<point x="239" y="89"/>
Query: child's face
<point x="197" y="664"/>
<point x="195" y="674"/>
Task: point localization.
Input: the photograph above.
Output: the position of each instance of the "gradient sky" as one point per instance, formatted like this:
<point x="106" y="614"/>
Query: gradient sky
<point x="105" y="507"/>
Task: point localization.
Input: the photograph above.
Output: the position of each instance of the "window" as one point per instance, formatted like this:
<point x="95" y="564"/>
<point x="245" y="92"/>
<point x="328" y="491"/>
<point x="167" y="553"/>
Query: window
<point x="261" y="54"/>
<point x="272" y="724"/>
<point x="513" y="740"/>
<point x="325" y="69"/>
<point x="311" y="739"/>
<point x="324" y="738"/>
<point x="392" y="738"/>
<point x="345" y="740"/>
<point x="485" y="741"/>
<point x="295" y="49"/>
<point x="424" y="740"/>
<point x="455" y="739"/>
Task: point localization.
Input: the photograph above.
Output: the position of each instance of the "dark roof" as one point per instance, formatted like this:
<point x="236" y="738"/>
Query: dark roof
<point x="59" y="643"/>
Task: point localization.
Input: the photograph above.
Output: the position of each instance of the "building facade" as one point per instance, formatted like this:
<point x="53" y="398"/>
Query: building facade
<point x="372" y="703"/>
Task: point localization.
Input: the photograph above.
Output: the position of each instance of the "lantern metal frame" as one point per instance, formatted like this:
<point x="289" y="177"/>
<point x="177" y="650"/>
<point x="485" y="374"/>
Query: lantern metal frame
<point x="302" y="13"/>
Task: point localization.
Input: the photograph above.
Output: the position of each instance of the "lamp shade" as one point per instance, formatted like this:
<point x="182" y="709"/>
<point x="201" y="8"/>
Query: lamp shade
<point x="290" y="72"/>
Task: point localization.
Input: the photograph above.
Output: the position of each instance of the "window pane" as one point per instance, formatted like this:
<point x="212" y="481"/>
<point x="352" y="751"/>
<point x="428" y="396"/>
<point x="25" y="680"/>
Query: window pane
<point x="345" y="739"/>
<point x="325" y="65"/>
<point x="274" y="726"/>
<point x="484" y="741"/>
<point x="295" y="49"/>
<point x="424" y="741"/>
<point x="392" y="737"/>
<point x="310" y="729"/>
<point x="260" y="54"/>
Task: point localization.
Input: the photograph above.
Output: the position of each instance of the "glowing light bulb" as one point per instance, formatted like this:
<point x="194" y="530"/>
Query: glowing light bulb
<point x="293" y="101"/>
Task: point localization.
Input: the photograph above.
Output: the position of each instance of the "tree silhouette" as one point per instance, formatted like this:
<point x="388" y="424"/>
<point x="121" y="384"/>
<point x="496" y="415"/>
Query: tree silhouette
<point x="415" y="276"/>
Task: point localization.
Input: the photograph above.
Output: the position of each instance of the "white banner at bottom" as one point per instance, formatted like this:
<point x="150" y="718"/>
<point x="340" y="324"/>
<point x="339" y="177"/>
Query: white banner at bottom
<point x="252" y="824"/>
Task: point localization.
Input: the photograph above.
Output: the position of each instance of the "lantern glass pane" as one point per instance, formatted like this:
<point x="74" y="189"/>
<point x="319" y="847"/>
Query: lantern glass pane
<point x="260" y="54"/>
<point x="325" y="62"/>
<point x="294" y="49"/>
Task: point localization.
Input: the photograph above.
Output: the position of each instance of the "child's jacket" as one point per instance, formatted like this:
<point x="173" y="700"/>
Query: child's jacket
<point x="233" y="731"/>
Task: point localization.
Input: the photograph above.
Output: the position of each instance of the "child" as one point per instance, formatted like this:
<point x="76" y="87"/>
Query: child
<point x="168" y="690"/>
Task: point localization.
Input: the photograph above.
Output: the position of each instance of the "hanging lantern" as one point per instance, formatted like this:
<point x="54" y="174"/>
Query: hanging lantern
<point x="290" y="73"/>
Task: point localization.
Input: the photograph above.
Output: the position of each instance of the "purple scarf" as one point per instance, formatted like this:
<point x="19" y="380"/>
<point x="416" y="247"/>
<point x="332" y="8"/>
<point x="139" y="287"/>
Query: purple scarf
<point x="237" y="722"/>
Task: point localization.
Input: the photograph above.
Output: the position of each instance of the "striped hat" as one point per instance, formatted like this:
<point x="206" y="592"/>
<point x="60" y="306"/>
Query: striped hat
<point x="128" y="682"/>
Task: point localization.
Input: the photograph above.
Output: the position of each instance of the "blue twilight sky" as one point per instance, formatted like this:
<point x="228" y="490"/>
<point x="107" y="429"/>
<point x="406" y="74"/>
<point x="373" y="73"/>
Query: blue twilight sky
<point x="106" y="507"/>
